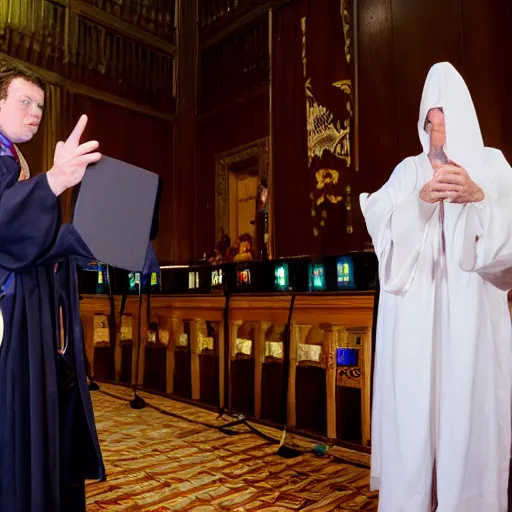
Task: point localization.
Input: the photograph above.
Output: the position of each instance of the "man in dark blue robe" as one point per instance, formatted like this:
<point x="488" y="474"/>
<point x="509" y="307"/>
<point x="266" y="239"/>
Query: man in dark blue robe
<point x="48" y="440"/>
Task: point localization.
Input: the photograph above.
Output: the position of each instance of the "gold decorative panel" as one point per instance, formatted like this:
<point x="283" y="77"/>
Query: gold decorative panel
<point x="182" y="340"/>
<point x="101" y="330"/>
<point x="164" y="336"/>
<point x="205" y="344"/>
<point x="312" y="353"/>
<point x="329" y="131"/>
<point x="243" y="346"/>
<point x="274" y="349"/>
<point x="349" y="377"/>
<point x="126" y="328"/>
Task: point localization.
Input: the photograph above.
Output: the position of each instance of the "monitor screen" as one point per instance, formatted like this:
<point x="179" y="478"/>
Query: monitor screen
<point x="316" y="277"/>
<point x="155" y="282"/>
<point x="102" y="275"/>
<point x="345" y="273"/>
<point x="346" y="356"/>
<point x="134" y="279"/>
<point x="217" y="278"/>
<point x="193" y="280"/>
<point x="243" y="277"/>
<point x="282" y="281"/>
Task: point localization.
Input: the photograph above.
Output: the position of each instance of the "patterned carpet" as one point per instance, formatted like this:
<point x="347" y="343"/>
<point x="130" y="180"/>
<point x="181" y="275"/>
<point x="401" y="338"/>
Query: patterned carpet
<point x="172" y="456"/>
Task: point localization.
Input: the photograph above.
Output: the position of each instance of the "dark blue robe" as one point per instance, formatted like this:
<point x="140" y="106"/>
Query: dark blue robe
<point x="48" y="439"/>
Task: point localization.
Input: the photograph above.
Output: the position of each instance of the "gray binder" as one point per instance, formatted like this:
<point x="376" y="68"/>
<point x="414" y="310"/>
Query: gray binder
<point x="116" y="212"/>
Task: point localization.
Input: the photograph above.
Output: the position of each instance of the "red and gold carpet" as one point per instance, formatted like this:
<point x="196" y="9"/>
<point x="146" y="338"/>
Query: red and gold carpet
<point x="172" y="456"/>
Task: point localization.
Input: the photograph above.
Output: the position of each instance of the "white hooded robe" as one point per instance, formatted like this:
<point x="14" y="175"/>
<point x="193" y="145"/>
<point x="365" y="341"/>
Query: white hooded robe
<point x="444" y="342"/>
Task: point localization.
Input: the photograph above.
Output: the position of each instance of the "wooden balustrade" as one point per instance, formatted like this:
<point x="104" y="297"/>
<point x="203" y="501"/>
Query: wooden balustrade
<point x="183" y="351"/>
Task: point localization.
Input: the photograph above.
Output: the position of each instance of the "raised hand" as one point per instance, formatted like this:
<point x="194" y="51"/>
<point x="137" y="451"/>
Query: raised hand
<point x="71" y="159"/>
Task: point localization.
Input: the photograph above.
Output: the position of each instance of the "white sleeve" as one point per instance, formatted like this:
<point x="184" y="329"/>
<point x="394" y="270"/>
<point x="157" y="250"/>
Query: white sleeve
<point x="487" y="241"/>
<point x="397" y="230"/>
<point x="487" y="232"/>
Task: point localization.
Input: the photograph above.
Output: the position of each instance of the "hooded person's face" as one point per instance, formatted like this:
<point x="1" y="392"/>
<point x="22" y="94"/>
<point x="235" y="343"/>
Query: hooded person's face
<point x="452" y="123"/>
<point x="437" y="127"/>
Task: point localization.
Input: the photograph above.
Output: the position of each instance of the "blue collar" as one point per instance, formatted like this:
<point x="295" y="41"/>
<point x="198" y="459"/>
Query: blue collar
<point x="6" y="147"/>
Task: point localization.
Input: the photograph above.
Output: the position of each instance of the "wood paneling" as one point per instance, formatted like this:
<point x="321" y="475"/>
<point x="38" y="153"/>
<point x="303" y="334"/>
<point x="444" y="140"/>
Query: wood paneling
<point x="422" y="36"/>
<point x="378" y="108"/>
<point x="185" y="182"/>
<point x="292" y="205"/>
<point x="235" y="66"/>
<point x="487" y="44"/>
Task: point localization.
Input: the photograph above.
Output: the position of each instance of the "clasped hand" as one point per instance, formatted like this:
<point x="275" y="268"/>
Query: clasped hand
<point x="71" y="159"/>
<point x="451" y="182"/>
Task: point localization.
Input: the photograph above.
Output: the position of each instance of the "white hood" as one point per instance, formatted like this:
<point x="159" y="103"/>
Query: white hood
<point x="445" y="88"/>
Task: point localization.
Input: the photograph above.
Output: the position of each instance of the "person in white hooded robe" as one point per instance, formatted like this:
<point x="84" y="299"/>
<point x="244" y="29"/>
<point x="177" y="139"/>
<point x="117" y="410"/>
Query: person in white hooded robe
<point x="442" y="230"/>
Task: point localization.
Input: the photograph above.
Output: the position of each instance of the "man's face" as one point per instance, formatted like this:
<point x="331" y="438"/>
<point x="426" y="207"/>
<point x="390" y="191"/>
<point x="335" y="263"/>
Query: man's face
<point x="21" y="111"/>
<point x="435" y="117"/>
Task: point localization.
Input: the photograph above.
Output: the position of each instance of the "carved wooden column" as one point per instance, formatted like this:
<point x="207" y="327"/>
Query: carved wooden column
<point x="366" y="369"/>
<point x="233" y="335"/>
<point x="176" y="331"/>
<point x="259" y="359"/>
<point x="118" y="350"/>
<point x="184" y="188"/>
<point x="139" y="343"/>
<point x="219" y="330"/>
<point x="291" y="414"/>
<point x="197" y="328"/>
<point x="329" y="355"/>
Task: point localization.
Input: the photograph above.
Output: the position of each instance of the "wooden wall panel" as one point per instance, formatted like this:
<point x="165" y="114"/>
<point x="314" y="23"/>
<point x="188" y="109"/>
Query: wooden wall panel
<point x="378" y="109"/>
<point x="185" y="183"/>
<point x="292" y="181"/>
<point x="424" y="33"/>
<point x="235" y="66"/>
<point x="487" y="44"/>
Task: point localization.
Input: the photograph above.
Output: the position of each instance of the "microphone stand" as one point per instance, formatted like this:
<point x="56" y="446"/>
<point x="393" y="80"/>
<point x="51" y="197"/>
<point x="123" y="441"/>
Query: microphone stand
<point x="138" y="402"/>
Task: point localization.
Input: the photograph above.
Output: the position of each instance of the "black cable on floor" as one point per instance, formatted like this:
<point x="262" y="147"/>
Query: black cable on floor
<point x="222" y="428"/>
<point x="225" y="429"/>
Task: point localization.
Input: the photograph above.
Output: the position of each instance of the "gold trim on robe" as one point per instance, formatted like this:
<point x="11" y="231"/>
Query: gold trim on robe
<point x="25" y="170"/>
